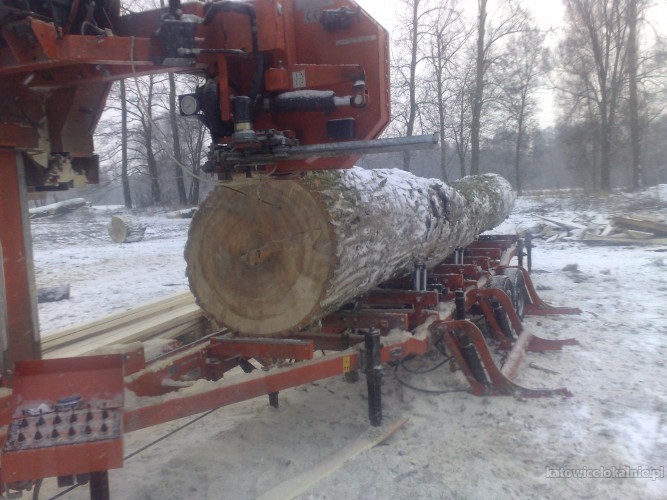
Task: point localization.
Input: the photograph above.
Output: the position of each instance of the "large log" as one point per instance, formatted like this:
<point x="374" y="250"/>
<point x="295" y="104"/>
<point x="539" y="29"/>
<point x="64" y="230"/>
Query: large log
<point x="268" y="256"/>
<point x="59" y="208"/>
<point x="126" y="229"/>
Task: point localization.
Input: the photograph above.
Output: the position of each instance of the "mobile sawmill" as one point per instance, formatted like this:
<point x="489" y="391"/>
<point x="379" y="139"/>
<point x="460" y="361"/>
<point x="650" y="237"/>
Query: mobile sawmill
<point x="295" y="251"/>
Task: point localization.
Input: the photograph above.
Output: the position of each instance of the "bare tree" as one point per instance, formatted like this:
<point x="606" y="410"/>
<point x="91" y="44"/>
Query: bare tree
<point x="125" y="178"/>
<point x="594" y="57"/>
<point x="461" y="112"/>
<point x="518" y="79"/>
<point x="407" y="84"/>
<point x="507" y="19"/>
<point x="447" y="35"/>
<point x="146" y="134"/>
<point x="176" y="143"/>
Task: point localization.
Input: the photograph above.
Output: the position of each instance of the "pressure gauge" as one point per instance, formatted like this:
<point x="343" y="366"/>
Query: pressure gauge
<point x="188" y="104"/>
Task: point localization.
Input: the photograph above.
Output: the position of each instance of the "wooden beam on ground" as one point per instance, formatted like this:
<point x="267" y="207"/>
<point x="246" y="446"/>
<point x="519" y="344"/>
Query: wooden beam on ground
<point x="305" y="480"/>
<point x="642" y="224"/>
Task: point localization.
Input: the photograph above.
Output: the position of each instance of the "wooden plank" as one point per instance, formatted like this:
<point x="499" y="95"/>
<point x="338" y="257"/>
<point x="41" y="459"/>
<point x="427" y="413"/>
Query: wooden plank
<point x="116" y="320"/>
<point x="184" y="317"/>
<point x="568" y="225"/>
<point x="594" y="239"/>
<point x="639" y="235"/>
<point x="305" y="480"/>
<point x="659" y="228"/>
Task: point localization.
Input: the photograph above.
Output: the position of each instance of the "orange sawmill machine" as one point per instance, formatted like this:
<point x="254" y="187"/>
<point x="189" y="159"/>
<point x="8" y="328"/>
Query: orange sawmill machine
<point x="286" y="86"/>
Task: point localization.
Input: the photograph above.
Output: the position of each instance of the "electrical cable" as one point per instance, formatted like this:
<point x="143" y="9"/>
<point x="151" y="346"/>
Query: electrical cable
<point x="143" y="448"/>
<point x="402" y="364"/>
<point x="420" y="389"/>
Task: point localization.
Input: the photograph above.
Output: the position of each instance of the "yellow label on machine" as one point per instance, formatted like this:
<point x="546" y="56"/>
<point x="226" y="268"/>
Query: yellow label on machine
<point x="346" y="364"/>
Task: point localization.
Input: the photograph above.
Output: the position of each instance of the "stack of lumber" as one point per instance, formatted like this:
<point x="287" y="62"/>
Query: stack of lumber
<point x="634" y="229"/>
<point x="631" y="230"/>
<point x="173" y="317"/>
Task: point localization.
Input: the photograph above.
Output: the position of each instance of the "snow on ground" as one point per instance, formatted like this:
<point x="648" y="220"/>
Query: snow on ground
<point x="105" y="277"/>
<point x="455" y="445"/>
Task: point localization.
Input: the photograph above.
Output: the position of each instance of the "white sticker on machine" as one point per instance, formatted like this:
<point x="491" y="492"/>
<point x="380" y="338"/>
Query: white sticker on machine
<point x="312" y="9"/>
<point x="298" y="79"/>
<point x="358" y="39"/>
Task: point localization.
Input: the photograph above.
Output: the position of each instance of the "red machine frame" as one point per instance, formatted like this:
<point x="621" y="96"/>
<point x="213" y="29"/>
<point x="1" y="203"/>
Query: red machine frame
<point x="358" y="340"/>
<point x="54" y="80"/>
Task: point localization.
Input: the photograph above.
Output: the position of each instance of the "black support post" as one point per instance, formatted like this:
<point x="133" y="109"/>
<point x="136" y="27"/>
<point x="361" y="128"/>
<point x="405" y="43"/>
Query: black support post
<point x="374" y="377"/>
<point x="99" y="485"/>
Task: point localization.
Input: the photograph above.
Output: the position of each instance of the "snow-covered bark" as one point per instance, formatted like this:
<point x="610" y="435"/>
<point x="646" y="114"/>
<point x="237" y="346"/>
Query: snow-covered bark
<point x="271" y="256"/>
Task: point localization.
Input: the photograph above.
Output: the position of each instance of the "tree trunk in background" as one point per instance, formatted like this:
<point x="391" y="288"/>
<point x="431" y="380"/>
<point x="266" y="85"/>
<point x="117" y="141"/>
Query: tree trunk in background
<point x="412" y="112"/>
<point x="153" y="171"/>
<point x="479" y="91"/>
<point x="195" y="154"/>
<point x="125" y="178"/>
<point x="517" y="151"/>
<point x="265" y="257"/>
<point x="633" y="99"/>
<point x="178" y="157"/>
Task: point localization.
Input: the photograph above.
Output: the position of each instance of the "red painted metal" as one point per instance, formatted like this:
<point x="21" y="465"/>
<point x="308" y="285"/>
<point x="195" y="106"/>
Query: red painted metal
<point x="365" y="319"/>
<point x="36" y="56"/>
<point x="261" y="348"/>
<point x="170" y="377"/>
<point x="22" y="323"/>
<point x="48" y="437"/>
<point x="459" y="332"/>
<point x="418" y="302"/>
<point x="537" y="307"/>
<point x="58" y="78"/>
<point x="228" y="392"/>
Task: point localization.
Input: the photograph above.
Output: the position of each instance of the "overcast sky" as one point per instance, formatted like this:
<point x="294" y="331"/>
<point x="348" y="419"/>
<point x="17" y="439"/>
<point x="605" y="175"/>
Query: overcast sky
<point x="548" y="13"/>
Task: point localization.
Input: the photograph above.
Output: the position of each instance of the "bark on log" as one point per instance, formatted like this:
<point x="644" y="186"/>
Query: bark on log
<point x="125" y="229"/>
<point x="266" y="256"/>
<point x="59" y="208"/>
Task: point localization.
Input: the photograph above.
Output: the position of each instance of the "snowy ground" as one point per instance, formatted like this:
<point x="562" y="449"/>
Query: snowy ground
<point x="455" y="445"/>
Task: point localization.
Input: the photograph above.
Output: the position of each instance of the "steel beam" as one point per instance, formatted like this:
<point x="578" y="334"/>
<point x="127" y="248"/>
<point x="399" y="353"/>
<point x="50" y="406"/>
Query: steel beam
<point x="20" y="292"/>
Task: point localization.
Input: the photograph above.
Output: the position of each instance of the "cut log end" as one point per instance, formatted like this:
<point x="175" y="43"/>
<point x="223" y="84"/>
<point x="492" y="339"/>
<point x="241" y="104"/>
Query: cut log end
<point x="259" y="254"/>
<point x="124" y="229"/>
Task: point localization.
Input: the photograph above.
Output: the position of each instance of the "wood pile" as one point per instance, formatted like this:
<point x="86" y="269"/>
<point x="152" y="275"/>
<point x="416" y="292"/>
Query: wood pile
<point x="172" y="317"/>
<point x="634" y="229"/>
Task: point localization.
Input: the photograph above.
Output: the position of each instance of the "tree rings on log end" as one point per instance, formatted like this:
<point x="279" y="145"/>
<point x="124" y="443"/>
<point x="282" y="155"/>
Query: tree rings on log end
<point x="259" y="254"/>
<point x="125" y="229"/>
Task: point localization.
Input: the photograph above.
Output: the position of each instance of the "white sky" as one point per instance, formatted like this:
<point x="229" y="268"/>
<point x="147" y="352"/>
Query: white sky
<point x="548" y="13"/>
